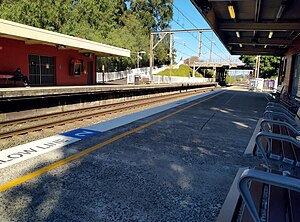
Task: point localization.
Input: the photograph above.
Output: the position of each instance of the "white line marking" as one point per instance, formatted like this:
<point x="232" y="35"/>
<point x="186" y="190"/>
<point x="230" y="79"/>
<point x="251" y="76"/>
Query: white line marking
<point x="26" y="151"/>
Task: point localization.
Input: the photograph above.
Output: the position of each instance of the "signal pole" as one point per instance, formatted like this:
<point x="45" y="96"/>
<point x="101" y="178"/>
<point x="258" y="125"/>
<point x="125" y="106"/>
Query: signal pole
<point x="171" y="54"/>
<point x="211" y="44"/>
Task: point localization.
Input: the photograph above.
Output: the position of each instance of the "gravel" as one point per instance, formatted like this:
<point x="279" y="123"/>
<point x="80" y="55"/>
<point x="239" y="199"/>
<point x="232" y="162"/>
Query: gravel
<point x="179" y="169"/>
<point x="32" y="136"/>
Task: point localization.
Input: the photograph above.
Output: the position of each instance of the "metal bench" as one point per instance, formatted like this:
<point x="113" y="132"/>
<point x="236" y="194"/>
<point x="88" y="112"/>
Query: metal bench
<point x="263" y="195"/>
<point x="7" y="80"/>
<point x="283" y="115"/>
<point x="276" y="94"/>
<point x="257" y="195"/>
<point x="279" y="146"/>
<point x="281" y="97"/>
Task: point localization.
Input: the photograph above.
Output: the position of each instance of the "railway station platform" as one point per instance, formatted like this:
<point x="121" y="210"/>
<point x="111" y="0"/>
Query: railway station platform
<point x="19" y="92"/>
<point x="21" y="102"/>
<point x="175" y="162"/>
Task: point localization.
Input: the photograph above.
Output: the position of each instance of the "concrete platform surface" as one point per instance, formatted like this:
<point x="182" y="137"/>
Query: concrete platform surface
<point x="57" y="90"/>
<point x="176" y="165"/>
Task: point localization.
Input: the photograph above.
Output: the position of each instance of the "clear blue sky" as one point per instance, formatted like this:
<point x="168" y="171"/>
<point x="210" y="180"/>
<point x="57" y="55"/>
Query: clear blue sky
<point x="187" y="44"/>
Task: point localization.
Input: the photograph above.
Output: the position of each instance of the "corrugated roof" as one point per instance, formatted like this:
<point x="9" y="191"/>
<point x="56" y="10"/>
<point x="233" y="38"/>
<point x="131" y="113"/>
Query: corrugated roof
<point x="249" y="32"/>
<point x="32" y="35"/>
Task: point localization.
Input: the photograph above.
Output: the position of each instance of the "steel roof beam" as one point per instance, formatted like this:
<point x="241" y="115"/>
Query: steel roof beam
<point x="259" y="26"/>
<point x="253" y="52"/>
<point x="260" y="41"/>
<point x="257" y="10"/>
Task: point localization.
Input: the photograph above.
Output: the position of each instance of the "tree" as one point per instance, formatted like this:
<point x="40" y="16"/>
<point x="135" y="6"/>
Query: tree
<point x="94" y="19"/>
<point x="132" y="36"/>
<point x="154" y="14"/>
<point x="269" y="65"/>
<point x="50" y="15"/>
<point x="248" y="60"/>
<point x="105" y="21"/>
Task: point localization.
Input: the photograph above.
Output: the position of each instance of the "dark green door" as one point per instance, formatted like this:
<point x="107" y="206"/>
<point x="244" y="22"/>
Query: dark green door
<point x="90" y="73"/>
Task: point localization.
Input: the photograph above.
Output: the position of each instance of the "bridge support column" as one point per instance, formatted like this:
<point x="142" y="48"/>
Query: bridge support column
<point x="221" y="76"/>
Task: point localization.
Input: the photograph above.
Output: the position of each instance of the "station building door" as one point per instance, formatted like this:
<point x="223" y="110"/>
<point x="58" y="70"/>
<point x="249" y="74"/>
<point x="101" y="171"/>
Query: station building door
<point x="41" y="70"/>
<point x="90" y="73"/>
<point x="296" y="77"/>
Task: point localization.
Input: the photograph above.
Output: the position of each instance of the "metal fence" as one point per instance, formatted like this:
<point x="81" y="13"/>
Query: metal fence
<point x="110" y="76"/>
<point x="176" y="79"/>
<point x="261" y="84"/>
<point x="141" y="75"/>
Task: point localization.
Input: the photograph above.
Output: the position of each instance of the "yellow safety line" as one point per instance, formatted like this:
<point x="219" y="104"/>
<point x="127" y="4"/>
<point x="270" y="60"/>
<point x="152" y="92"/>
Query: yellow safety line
<point x="55" y="165"/>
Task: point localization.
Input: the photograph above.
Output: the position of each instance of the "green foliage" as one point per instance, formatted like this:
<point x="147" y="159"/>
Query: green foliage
<point x="269" y="65"/>
<point x="208" y="73"/>
<point x="106" y="21"/>
<point x="229" y="80"/>
<point x="182" y="71"/>
<point x="248" y="60"/>
<point x="49" y="15"/>
<point x="154" y="14"/>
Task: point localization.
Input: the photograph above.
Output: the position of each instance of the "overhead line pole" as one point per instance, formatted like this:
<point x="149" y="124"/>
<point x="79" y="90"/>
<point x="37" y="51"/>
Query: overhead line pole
<point x="171" y="32"/>
<point x="199" y="44"/>
<point x="199" y="54"/>
<point x="171" y="54"/>
<point x="151" y="56"/>
<point x="211" y="45"/>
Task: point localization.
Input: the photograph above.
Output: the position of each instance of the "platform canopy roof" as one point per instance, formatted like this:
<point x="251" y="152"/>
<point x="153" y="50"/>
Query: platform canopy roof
<point x="32" y="35"/>
<point x="253" y="27"/>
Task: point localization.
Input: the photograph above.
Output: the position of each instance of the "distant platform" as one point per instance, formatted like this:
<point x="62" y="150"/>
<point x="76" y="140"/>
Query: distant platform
<point x="14" y="92"/>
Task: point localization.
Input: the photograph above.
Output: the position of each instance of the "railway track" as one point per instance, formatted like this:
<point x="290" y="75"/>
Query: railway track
<point x="25" y="126"/>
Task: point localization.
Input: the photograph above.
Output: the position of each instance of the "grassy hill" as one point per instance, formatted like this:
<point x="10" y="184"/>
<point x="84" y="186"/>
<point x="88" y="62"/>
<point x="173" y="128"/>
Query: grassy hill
<point x="182" y="71"/>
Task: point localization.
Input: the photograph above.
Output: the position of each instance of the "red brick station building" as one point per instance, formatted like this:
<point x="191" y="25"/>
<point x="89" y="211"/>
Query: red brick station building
<point x="50" y="58"/>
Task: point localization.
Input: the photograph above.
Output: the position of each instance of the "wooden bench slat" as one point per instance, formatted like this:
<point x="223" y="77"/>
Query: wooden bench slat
<point x="277" y="204"/>
<point x="294" y="205"/>
<point x="256" y="190"/>
<point x="288" y="153"/>
<point x="276" y="151"/>
<point x="291" y="133"/>
<point x="287" y="149"/>
<point x="297" y="155"/>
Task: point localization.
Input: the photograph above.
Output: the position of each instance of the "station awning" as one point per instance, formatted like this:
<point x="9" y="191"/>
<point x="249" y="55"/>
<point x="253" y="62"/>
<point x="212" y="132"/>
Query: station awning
<point x="32" y="35"/>
<point x="253" y="27"/>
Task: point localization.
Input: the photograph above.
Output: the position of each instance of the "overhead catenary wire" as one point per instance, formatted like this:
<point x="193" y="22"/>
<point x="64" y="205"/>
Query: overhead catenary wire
<point x="203" y="35"/>
<point x="186" y="46"/>
<point x="203" y="43"/>
<point x="192" y="23"/>
<point x="182" y="52"/>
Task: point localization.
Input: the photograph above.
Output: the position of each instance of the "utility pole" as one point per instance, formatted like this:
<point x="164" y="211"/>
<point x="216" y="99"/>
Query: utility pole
<point x="103" y="74"/>
<point x="258" y="66"/>
<point x="151" y="55"/>
<point x="194" y="70"/>
<point x="211" y="45"/>
<point x="138" y="54"/>
<point x="171" y="54"/>
<point x="162" y="36"/>
<point x="199" y="44"/>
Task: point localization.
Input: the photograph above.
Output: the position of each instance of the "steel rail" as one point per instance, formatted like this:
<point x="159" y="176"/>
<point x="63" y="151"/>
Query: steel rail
<point x="140" y="103"/>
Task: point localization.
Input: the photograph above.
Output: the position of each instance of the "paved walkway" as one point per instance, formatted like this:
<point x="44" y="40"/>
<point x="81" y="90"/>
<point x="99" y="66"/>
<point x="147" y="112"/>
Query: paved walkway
<point x="179" y="168"/>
